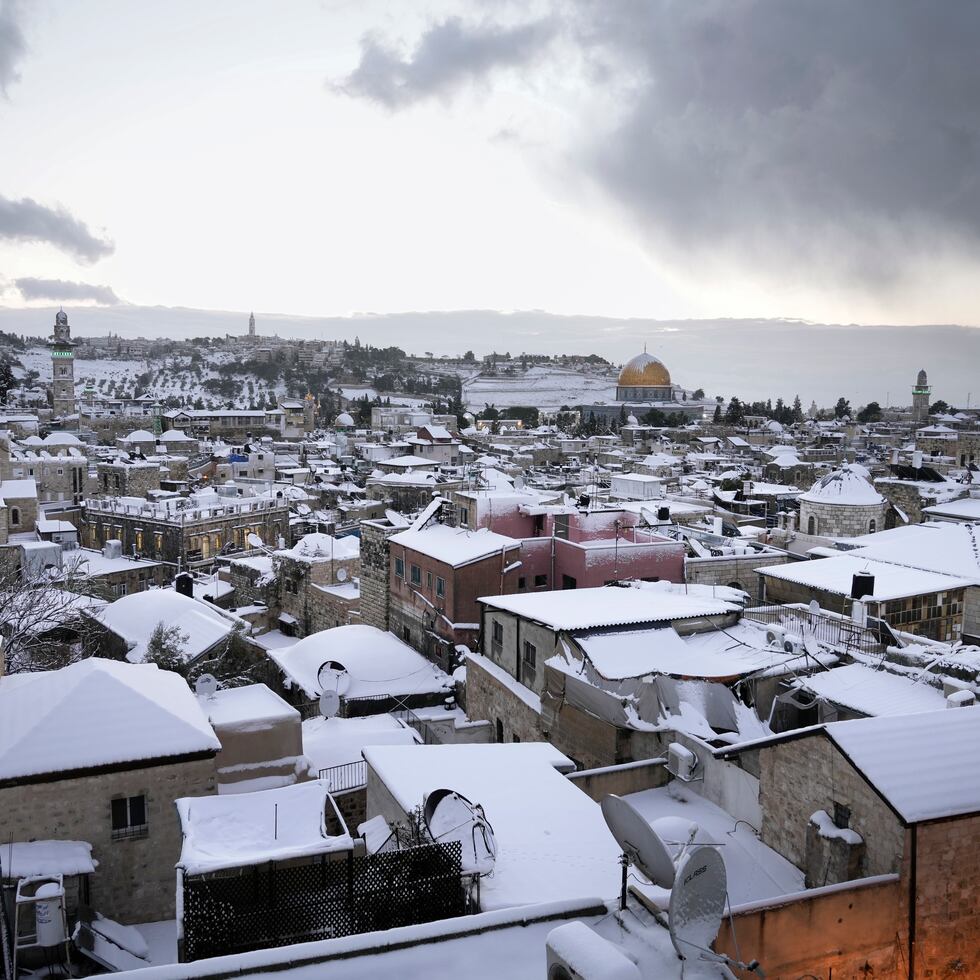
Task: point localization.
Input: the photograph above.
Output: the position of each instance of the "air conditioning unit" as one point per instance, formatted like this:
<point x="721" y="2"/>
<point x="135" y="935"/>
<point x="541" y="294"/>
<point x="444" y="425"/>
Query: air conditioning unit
<point x="793" y="645"/>
<point x="575" y="952"/>
<point x="681" y="762"/>
<point x="775" y="635"/>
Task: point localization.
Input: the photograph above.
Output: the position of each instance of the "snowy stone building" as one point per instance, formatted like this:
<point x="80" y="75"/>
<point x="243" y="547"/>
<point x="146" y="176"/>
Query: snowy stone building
<point x="843" y="504"/>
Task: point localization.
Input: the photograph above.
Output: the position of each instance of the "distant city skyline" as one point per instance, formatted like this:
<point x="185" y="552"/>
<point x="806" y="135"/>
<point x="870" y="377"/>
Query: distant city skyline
<point x="332" y="157"/>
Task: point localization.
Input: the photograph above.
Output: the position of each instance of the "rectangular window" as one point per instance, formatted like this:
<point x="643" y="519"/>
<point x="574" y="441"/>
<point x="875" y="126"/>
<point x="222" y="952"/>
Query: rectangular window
<point x="129" y="818"/>
<point x="530" y="654"/>
<point x="529" y="664"/>
<point x="464" y="516"/>
<point x="540" y="581"/>
<point x="522" y="582"/>
<point x="497" y="638"/>
<point x="440" y="587"/>
<point x="428" y="580"/>
<point x="399" y="568"/>
<point x="416" y="575"/>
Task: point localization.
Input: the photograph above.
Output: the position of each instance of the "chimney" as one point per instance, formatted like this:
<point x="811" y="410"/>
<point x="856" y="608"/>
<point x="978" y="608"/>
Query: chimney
<point x="917" y="459"/>
<point x="862" y="584"/>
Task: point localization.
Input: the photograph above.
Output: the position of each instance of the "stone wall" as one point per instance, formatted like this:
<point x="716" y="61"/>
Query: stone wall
<point x="489" y="700"/>
<point x="803" y="775"/>
<point x="375" y="597"/>
<point x="842" y="520"/>
<point x="135" y="880"/>
<point x="630" y="777"/>
<point x="735" y="570"/>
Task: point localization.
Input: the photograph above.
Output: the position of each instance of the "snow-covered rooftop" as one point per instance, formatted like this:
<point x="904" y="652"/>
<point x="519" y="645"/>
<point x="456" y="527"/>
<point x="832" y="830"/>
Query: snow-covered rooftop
<point x="873" y="692"/>
<point x="939" y="546"/>
<point x="323" y="547"/>
<point x="94" y="713"/>
<point x="253" y="707"/>
<point x="134" y="617"/>
<point x="848" y="487"/>
<point x="245" y="829"/>
<point x="924" y="764"/>
<point x="377" y="663"/>
<point x="335" y="741"/>
<point x="582" y="609"/>
<point x="27" y="859"/>
<point x="452" y="545"/>
<point x="836" y="575"/>
<point x="552" y="842"/>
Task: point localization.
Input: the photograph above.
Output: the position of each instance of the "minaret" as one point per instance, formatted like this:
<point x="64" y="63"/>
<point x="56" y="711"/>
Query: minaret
<point x="62" y="366"/>
<point x="251" y="326"/>
<point x="921" y="391"/>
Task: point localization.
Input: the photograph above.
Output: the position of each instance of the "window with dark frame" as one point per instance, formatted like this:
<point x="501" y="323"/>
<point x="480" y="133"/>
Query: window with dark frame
<point x="399" y="568"/>
<point x="440" y="587"/>
<point x="129" y="817"/>
<point x="540" y="581"/>
<point x="416" y="575"/>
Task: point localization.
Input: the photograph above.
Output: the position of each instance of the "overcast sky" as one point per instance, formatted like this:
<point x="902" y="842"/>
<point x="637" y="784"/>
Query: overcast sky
<point x="662" y="158"/>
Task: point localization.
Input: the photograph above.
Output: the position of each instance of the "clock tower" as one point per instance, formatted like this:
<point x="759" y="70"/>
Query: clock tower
<point x="62" y="366"/>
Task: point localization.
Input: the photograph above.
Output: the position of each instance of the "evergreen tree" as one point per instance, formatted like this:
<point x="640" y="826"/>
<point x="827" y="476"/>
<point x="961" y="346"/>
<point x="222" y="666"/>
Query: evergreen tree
<point x="797" y="410"/>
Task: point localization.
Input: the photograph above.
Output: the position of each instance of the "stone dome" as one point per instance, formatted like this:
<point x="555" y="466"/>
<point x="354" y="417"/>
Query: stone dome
<point x="846" y="487"/>
<point x="344" y="420"/>
<point x="644" y="370"/>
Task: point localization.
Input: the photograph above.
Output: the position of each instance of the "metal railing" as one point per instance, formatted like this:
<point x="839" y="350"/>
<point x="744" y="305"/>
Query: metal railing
<point x="836" y="631"/>
<point x="345" y="777"/>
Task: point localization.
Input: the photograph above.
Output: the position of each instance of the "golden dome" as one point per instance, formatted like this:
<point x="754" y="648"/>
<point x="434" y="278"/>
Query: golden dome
<point x="644" y="370"/>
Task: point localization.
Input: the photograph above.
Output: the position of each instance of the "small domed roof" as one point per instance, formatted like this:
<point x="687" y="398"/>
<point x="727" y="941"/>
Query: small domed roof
<point x="921" y="380"/>
<point x="344" y="420"/>
<point x="644" y="370"/>
<point x="847" y="487"/>
<point x="140" y="435"/>
<point x="61" y="318"/>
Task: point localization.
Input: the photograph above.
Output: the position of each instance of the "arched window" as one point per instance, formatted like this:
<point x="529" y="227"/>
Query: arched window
<point x="15" y="517"/>
<point x="872" y="526"/>
<point x="736" y="585"/>
<point x="811" y="525"/>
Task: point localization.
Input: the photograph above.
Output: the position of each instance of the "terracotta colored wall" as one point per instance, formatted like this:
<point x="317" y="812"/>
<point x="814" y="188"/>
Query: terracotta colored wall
<point x="844" y="930"/>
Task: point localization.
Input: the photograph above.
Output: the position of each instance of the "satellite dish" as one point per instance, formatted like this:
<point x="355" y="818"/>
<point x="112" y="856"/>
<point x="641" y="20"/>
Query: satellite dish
<point x="697" y="902"/>
<point x="302" y="509"/>
<point x="329" y="703"/>
<point x="638" y="840"/>
<point x="205" y="686"/>
<point x="395" y="519"/>
<point x="254" y="540"/>
<point x="341" y="574"/>
<point x="810" y="645"/>
<point x="450" y="816"/>
<point x="333" y="676"/>
<point x="814" y="607"/>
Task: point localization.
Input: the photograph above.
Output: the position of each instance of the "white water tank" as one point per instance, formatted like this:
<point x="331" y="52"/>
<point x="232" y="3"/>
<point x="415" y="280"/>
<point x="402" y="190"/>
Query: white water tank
<point x="112" y="548"/>
<point x="48" y="916"/>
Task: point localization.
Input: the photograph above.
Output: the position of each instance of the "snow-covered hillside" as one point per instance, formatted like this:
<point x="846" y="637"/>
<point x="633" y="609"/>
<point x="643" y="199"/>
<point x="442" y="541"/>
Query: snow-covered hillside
<point x="542" y="387"/>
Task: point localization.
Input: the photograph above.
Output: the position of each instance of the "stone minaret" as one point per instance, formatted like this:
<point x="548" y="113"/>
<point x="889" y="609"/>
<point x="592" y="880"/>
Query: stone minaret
<point x="251" y="326"/>
<point x="62" y="366"/>
<point x="920" y="398"/>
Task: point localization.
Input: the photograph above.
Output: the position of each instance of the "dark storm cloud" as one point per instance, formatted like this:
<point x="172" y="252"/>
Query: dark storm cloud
<point x="838" y="138"/>
<point x="27" y="221"/>
<point x="447" y="55"/>
<point x="60" y="290"/>
<point x="12" y="45"/>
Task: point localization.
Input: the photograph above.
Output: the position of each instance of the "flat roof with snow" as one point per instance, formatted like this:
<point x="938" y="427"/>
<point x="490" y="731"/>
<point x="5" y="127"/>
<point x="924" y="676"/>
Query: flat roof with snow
<point x="245" y="829"/>
<point x="582" y="609"/>
<point x="836" y="574"/>
<point x="552" y="842"/>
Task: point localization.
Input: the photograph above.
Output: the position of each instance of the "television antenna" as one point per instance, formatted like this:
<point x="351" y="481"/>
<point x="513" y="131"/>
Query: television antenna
<point x="333" y="676"/>
<point x="450" y="816"/>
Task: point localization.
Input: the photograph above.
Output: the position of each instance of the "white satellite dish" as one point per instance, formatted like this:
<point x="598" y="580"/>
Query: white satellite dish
<point x="814" y="607"/>
<point x="638" y="840"/>
<point x="341" y="574"/>
<point x="205" y="686"/>
<point x="810" y="644"/>
<point x="333" y="676"/>
<point x="254" y="540"/>
<point x="697" y="902"/>
<point x="450" y="816"/>
<point x="395" y="519"/>
<point x="329" y="704"/>
<point x="302" y="509"/>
